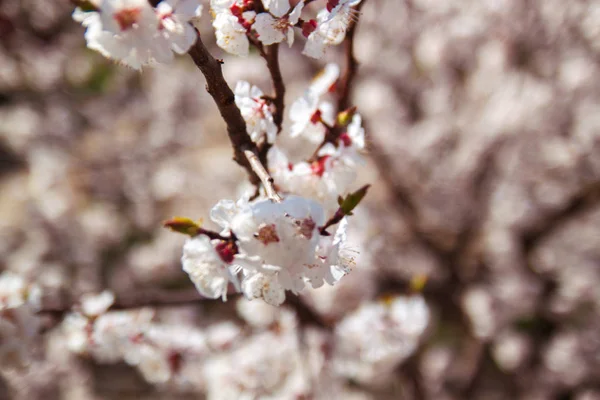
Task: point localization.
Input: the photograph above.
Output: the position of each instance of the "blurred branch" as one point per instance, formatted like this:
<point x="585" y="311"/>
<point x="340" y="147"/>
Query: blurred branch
<point x="345" y="84"/>
<point x="59" y="303"/>
<point x="344" y="90"/>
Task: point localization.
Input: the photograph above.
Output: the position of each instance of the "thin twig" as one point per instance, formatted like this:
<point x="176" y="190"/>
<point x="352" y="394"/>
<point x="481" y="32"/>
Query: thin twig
<point x="223" y="96"/>
<point x="60" y="303"/>
<point x="272" y="59"/>
<point x="264" y="176"/>
<point x="344" y="89"/>
<point x="345" y="84"/>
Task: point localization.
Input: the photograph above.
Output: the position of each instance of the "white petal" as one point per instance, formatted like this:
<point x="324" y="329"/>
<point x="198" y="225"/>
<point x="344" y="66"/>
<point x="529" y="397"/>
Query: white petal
<point x="277" y="7"/>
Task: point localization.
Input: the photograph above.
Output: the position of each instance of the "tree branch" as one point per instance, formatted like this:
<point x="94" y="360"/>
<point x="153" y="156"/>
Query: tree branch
<point x="223" y="96"/>
<point x="344" y="89"/>
<point x="264" y="176"/>
<point x="272" y="59"/>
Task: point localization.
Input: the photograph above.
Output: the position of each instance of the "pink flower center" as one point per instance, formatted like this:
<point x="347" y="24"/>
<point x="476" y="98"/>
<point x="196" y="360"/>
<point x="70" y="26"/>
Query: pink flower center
<point x="306" y="227"/>
<point x="267" y="234"/>
<point x="227" y="251"/>
<point x="316" y="117"/>
<point x="127" y="17"/>
<point x="318" y="167"/>
<point x="344" y="138"/>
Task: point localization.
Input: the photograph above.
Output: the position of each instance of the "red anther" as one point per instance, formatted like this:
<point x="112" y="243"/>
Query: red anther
<point x="316" y="117"/>
<point x="236" y="10"/>
<point x="318" y="167"/>
<point x="345" y="138"/>
<point x="331" y="4"/>
<point x="309" y="27"/>
<point x="175" y="360"/>
<point x="290" y="166"/>
<point x="333" y="87"/>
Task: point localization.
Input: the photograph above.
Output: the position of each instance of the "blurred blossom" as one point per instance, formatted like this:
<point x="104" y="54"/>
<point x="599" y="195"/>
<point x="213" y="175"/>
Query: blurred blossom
<point x="374" y="339"/>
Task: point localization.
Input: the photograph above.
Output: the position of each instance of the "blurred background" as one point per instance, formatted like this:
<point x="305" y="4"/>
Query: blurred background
<point x="483" y="124"/>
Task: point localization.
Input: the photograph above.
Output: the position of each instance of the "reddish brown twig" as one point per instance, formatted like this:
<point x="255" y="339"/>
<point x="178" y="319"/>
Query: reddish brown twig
<point x="60" y="303"/>
<point x="272" y="59"/>
<point x="344" y="88"/>
<point x="345" y="84"/>
<point x="223" y="96"/>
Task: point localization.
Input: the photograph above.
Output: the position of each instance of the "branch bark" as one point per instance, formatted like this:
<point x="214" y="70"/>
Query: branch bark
<point x="264" y="176"/>
<point x="344" y="89"/>
<point x="223" y="96"/>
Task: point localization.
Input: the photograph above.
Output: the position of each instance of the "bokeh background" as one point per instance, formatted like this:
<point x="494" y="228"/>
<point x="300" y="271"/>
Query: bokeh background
<point x="483" y="123"/>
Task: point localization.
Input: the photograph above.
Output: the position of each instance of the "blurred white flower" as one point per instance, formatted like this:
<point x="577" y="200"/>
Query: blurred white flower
<point x="19" y="324"/>
<point x="257" y="112"/>
<point x="309" y="116"/>
<point x="374" y="339"/>
<point x="208" y="263"/>
<point x="93" y="305"/>
<point x="257" y="313"/>
<point x="330" y="29"/>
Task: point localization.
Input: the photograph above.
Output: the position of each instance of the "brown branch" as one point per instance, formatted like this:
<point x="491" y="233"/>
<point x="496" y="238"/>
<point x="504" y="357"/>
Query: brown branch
<point x="59" y="303"/>
<point x="344" y="89"/>
<point x="345" y="84"/>
<point x="223" y="96"/>
<point x="272" y="59"/>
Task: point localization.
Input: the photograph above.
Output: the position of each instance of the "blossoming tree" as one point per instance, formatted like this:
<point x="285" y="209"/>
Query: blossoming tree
<point x="285" y="233"/>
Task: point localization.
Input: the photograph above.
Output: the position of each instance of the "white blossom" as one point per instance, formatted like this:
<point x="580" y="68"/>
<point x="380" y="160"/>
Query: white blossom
<point x="125" y="31"/>
<point x="325" y="179"/>
<point x="272" y="29"/>
<point x="95" y="305"/>
<point x="277" y="247"/>
<point x="19" y="324"/>
<point x="231" y="29"/>
<point x="257" y="313"/>
<point x="306" y="114"/>
<point x="277" y="7"/>
<point x="374" y="339"/>
<point x="206" y="267"/>
<point x="254" y="370"/>
<point x="176" y="18"/>
<point x="325" y="79"/>
<point x="330" y="30"/>
<point x="257" y="112"/>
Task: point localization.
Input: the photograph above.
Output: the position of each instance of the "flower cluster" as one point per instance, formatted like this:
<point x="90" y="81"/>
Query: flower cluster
<point x="19" y="324"/>
<point x="266" y="248"/>
<point x="136" y="34"/>
<point x="237" y="22"/>
<point x="132" y="336"/>
<point x="374" y="339"/>
<point x="332" y="170"/>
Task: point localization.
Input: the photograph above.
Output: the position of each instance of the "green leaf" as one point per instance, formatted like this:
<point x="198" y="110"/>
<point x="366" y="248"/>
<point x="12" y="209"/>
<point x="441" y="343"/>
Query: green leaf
<point x="352" y="200"/>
